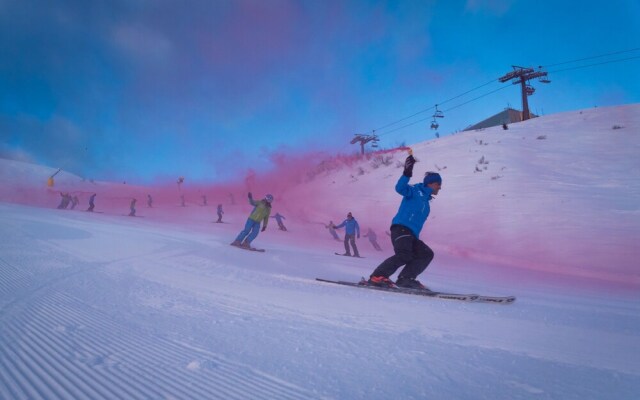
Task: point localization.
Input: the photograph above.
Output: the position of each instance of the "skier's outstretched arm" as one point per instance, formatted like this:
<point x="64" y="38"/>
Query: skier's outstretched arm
<point x="402" y="187"/>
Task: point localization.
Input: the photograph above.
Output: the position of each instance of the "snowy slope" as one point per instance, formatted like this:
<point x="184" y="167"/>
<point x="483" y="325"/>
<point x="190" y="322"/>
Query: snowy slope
<point x="557" y="193"/>
<point x="100" y="305"/>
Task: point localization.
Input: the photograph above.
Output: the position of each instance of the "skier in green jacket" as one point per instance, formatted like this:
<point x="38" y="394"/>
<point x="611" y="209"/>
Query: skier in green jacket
<point x="261" y="211"/>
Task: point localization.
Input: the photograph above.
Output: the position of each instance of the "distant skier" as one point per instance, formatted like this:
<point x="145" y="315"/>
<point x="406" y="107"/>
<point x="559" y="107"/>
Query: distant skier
<point x="351" y="229"/>
<point x="204" y="200"/>
<point x="149" y="201"/>
<point x="64" y="201"/>
<point x="132" y="208"/>
<point x="279" y="219"/>
<point x="373" y="239"/>
<point x="74" y="202"/>
<point x="409" y="250"/>
<point x="332" y="230"/>
<point x="261" y="211"/>
<point x="220" y="212"/>
<point x="182" y="200"/>
<point x="92" y="204"/>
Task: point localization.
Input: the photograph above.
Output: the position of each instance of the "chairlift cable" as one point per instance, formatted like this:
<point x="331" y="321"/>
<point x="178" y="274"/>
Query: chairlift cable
<point x="591" y="65"/>
<point x="590" y="58"/>
<point x="447" y="110"/>
<point x="477" y="98"/>
<point x="432" y="107"/>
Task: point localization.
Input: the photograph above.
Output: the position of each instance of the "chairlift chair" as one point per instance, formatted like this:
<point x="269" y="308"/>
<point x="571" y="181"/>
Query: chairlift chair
<point x="438" y="113"/>
<point x="434" y="124"/>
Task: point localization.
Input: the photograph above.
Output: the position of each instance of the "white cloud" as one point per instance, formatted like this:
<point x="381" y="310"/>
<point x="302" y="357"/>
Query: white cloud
<point x="141" y="43"/>
<point x="15" y="154"/>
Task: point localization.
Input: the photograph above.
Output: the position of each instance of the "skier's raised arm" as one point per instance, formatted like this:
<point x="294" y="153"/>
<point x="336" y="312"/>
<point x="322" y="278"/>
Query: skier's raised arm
<point x="251" y="200"/>
<point x="402" y="187"/>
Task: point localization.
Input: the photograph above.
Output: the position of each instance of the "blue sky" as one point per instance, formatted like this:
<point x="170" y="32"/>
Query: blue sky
<point x="143" y="90"/>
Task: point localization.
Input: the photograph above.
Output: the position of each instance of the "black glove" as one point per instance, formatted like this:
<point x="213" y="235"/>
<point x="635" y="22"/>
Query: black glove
<point x="264" y="228"/>
<point x="408" y="166"/>
<point x="250" y="196"/>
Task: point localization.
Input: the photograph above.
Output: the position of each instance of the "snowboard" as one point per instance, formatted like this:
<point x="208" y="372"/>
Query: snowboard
<point x="344" y="255"/>
<point x="250" y="249"/>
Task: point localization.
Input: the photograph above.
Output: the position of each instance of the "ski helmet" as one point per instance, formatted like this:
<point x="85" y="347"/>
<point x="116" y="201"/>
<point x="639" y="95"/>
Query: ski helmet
<point x="269" y="198"/>
<point x="432" y="177"/>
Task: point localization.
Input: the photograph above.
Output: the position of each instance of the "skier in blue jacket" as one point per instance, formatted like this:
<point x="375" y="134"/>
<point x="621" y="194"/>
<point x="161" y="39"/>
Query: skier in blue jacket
<point x="406" y="226"/>
<point x="351" y="229"/>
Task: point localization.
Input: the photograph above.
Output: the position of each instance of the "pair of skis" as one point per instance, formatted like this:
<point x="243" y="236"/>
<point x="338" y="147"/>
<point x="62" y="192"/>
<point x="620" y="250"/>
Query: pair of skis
<point x="364" y="284"/>
<point x="428" y="293"/>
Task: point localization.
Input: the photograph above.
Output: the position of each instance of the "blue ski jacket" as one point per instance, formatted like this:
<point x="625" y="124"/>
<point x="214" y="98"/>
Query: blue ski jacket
<point x="351" y="226"/>
<point x="414" y="208"/>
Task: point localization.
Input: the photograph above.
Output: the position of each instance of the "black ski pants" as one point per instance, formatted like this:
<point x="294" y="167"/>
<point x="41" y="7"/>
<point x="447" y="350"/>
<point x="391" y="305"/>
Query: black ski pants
<point x="411" y="252"/>
<point x="351" y="239"/>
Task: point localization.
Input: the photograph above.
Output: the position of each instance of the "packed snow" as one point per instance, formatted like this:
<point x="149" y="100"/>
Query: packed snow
<point x="100" y="305"/>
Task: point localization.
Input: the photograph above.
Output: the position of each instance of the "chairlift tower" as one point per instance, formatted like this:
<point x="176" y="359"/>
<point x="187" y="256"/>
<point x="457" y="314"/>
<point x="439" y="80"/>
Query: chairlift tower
<point x="522" y="76"/>
<point x="364" y="139"/>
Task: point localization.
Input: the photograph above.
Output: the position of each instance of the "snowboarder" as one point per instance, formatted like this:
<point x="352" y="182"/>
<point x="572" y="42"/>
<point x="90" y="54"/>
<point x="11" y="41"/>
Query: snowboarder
<point x="279" y="217"/>
<point x="220" y="212"/>
<point x="91" y="202"/>
<point x="371" y="235"/>
<point x="332" y="230"/>
<point x="132" y="207"/>
<point x="409" y="250"/>
<point x="149" y="201"/>
<point x="261" y="211"/>
<point x="351" y="229"/>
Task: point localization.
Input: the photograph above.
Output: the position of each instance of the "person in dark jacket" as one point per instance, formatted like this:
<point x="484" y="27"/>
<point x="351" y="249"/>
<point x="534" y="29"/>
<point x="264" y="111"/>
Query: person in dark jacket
<point x="279" y="217"/>
<point x="65" y="200"/>
<point x="92" y="204"/>
<point x="351" y="229"/>
<point x="373" y="238"/>
<point x="132" y="208"/>
<point x="220" y="212"/>
<point x="74" y="202"/>
<point x="406" y="226"/>
<point x="332" y="230"/>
